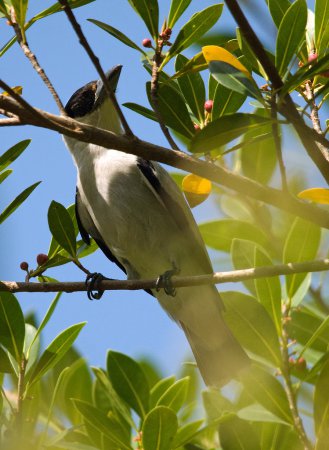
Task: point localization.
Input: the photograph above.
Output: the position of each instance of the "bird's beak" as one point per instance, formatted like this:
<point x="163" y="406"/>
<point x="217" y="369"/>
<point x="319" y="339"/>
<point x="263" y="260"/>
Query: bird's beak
<point x="113" y="76"/>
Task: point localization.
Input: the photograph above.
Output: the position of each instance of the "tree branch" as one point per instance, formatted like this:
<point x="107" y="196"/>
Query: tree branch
<point x="286" y="107"/>
<point x="178" y="159"/>
<point x="234" y="276"/>
<point x="93" y="58"/>
<point x="35" y="63"/>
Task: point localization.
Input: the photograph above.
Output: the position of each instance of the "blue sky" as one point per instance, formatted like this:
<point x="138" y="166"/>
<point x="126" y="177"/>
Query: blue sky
<point x="131" y="322"/>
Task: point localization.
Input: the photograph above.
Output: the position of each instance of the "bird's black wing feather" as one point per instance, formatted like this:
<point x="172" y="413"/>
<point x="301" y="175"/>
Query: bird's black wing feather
<point x="86" y="236"/>
<point x="176" y="212"/>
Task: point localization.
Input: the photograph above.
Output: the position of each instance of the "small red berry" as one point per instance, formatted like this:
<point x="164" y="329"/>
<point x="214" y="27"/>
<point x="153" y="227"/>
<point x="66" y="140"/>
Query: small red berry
<point x="301" y="363"/>
<point x="24" y="266"/>
<point x="312" y="57"/>
<point x="196" y="127"/>
<point x="147" y="43"/>
<point x="208" y="105"/>
<point x="42" y="259"/>
<point x="292" y="361"/>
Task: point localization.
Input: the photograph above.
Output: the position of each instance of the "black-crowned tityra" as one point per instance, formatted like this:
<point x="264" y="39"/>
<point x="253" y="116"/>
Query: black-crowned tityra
<point x="139" y="218"/>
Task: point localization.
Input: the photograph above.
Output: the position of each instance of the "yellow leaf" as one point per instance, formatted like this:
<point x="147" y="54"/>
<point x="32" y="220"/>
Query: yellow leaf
<point x="17" y="89"/>
<point x="317" y="195"/>
<point x="196" y="189"/>
<point x="215" y="53"/>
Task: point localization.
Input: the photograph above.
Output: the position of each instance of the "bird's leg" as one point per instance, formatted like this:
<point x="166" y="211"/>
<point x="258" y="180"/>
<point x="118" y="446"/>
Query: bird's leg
<point x="165" y="280"/>
<point x="92" y="282"/>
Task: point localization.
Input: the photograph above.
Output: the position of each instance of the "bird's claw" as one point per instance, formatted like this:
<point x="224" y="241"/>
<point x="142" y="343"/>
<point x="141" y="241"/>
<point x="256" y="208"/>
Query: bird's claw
<point x="92" y="282"/>
<point x="164" y="281"/>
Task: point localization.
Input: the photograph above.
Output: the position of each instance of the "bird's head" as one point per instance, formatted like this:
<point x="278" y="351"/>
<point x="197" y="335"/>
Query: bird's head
<point x="91" y="104"/>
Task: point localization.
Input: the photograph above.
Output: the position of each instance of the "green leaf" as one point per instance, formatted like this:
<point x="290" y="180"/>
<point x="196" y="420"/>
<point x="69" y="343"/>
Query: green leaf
<point x="257" y="413"/>
<point x="111" y="399"/>
<point x="321" y="409"/>
<point x="226" y="101"/>
<point x="243" y="257"/>
<point x="196" y="27"/>
<point x="278" y="8"/>
<point x="129" y="381"/>
<point x="105" y="424"/>
<point x="177" y="7"/>
<point x="5" y="175"/>
<point x="224" y="130"/>
<point x="196" y="64"/>
<point x="142" y="110"/>
<point x="186" y="433"/>
<point x="175" y="396"/>
<point x="173" y="110"/>
<point x="160" y="388"/>
<point x="54" y="247"/>
<point x="268" y="392"/>
<point x="159" y="429"/>
<point x="149" y="12"/>
<point x="237" y="434"/>
<point x="305" y="73"/>
<point x="268" y="290"/>
<point x="62" y="227"/>
<point x="5" y="364"/>
<point x="20" y="7"/>
<point x="30" y="353"/>
<point x="290" y="35"/>
<point x="216" y="405"/>
<point x="219" y="234"/>
<point x="309" y="330"/>
<point x="321" y="26"/>
<point x="234" y="79"/>
<point x="301" y="245"/>
<point x="117" y="34"/>
<point x="56" y="7"/>
<point x="55" y="351"/>
<point x="13" y="153"/>
<point x="45" y="320"/>
<point x="259" y="158"/>
<point x="252" y="326"/>
<point x="193" y="89"/>
<point x="17" y="202"/>
<point x="12" y="327"/>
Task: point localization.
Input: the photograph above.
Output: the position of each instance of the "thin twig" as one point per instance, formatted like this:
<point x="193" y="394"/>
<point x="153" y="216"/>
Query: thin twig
<point x="5" y="396"/>
<point x="154" y="95"/>
<point x="234" y="276"/>
<point x="180" y="160"/>
<point x="93" y="58"/>
<point x="287" y="106"/>
<point x="278" y="147"/>
<point x="34" y="61"/>
<point x="285" y="369"/>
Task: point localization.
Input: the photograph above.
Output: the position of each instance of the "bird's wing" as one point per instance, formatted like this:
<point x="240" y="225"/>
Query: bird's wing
<point x="87" y="228"/>
<point x="171" y="197"/>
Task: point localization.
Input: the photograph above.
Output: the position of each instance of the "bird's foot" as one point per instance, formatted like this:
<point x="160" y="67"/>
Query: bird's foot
<point x="165" y="281"/>
<point x="92" y="283"/>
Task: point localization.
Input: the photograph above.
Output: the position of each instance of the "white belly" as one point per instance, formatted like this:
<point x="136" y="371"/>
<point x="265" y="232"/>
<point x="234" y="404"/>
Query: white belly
<point x="128" y="214"/>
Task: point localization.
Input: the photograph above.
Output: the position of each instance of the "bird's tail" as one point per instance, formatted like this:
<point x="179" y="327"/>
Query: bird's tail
<point x="218" y="354"/>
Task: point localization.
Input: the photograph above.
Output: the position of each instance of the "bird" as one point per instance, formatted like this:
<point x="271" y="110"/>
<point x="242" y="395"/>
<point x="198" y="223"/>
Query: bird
<point x="141" y="221"/>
